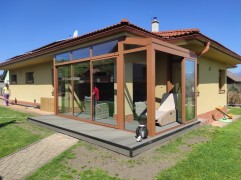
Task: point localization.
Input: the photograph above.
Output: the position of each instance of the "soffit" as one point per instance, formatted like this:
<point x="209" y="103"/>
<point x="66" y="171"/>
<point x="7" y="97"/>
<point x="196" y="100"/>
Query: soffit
<point x="213" y="53"/>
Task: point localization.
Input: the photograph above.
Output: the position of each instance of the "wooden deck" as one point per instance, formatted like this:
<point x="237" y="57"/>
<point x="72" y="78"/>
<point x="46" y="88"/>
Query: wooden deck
<point x="116" y="140"/>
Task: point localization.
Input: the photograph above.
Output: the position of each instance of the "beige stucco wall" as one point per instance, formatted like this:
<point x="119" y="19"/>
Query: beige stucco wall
<point x="209" y="96"/>
<point x="161" y="77"/>
<point x="42" y="86"/>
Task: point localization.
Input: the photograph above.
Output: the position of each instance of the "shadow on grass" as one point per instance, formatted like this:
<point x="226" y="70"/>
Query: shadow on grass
<point x="7" y="123"/>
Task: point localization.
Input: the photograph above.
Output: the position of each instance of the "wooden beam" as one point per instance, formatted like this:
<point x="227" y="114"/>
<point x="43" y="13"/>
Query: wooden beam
<point x="151" y="80"/>
<point x="120" y="87"/>
<point x="55" y="88"/>
<point x="137" y="41"/>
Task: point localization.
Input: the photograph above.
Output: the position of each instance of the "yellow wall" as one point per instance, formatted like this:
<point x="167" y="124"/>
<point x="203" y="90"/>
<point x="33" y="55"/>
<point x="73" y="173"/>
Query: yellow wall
<point x="161" y="77"/>
<point x="131" y="58"/>
<point x="42" y="86"/>
<point x="209" y="96"/>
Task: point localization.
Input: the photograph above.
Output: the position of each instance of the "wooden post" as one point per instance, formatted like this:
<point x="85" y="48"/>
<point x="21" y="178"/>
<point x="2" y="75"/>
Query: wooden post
<point x="151" y="80"/>
<point x="120" y="88"/>
<point x="55" y="88"/>
<point x="183" y="81"/>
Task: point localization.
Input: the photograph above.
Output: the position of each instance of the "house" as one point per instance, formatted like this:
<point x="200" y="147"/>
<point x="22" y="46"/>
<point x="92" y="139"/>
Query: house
<point x="233" y="80"/>
<point x="233" y="87"/>
<point x="130" y="66"/>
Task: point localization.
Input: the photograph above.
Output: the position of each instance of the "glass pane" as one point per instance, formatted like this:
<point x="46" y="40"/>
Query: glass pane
<point x="82" y="90"/>
<point x="190" y="90"/>
<point x="62" y="57"/>
<point x="105" y="48"/>
<point x="135" y="90"/>
<point x="168" y="95"/>
<point x="64" y="90"/>
<point x="105" y="91"/>
<point x="81" y="53"/>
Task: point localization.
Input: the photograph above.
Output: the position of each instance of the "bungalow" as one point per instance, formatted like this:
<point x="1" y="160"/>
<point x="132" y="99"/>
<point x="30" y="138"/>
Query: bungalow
<point x="135" y="71"/>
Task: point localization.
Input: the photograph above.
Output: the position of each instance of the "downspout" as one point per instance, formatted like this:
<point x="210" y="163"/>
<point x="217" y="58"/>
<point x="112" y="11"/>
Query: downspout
<point x="205" y="50"/>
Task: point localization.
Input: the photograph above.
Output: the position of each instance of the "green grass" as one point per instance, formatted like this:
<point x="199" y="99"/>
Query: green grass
<point x="16" y="132"/>
<point x="219" y="158"/>
<point x="58" y="168"/>
<point x="234" y="110"/>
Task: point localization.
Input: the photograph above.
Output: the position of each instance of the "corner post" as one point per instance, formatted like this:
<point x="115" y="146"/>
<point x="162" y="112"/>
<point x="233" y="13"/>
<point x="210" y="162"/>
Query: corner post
<point x="55" y="88"/>
<point x="151" y="80"/>
<point x="120" y="87"/>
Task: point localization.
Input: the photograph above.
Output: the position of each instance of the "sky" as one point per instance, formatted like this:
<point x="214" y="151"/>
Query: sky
<point x="29" y="24"/>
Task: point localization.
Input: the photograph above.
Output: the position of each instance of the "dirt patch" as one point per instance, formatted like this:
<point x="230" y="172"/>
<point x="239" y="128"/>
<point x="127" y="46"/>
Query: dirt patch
<point x="144" y="166"/>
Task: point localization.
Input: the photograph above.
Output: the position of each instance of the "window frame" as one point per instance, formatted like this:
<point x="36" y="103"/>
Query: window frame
<point x="221" y="81"/>
<point x="28" y="80"/>
<point x="11" y="79"/>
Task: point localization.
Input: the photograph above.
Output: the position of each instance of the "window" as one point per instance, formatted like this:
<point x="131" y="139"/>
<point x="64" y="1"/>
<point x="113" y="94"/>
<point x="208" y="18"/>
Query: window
<point x="221" y="81"/>
<point x="81" y="53"/>
<point x="13" y="79"/>
<point x="29" y="78"/>
<point x="105" y="48"/>
<point x="62" y="57"/>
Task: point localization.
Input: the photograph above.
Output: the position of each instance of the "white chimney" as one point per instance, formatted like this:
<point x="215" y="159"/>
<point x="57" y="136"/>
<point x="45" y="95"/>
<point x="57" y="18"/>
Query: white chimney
<point x="155" y="25"/>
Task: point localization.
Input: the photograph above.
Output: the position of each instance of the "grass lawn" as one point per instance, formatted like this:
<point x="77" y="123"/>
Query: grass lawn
<point x="58" y="168"/>
<point x="219" y="158"/>
<point x="16" y="132"/>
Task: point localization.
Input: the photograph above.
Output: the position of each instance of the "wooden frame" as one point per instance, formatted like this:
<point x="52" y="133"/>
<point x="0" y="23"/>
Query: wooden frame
<point x="184" y="89"/>
<point x="150" y="45"/>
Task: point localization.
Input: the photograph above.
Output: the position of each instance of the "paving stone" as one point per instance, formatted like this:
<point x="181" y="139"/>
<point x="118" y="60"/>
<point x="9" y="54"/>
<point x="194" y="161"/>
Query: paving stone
<point x="28" y="160"/>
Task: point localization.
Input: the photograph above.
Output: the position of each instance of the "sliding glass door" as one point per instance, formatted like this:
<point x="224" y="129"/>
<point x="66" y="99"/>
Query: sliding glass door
<point x="104" y="91"/>
<point x="190" y="90"/>
<point x="81" y="96"/>
<point x="64" y="90"/>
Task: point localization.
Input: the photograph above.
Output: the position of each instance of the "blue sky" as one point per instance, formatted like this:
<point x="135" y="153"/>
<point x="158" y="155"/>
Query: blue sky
<point x="29" y="24"/>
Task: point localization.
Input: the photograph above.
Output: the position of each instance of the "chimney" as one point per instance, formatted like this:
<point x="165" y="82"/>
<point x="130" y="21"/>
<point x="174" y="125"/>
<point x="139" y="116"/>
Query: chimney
<point x="155" y="25"/>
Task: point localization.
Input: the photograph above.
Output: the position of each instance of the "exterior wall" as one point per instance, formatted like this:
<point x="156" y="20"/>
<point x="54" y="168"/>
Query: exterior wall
<point x="42" y="86"/>
<point x="209" y="97"/>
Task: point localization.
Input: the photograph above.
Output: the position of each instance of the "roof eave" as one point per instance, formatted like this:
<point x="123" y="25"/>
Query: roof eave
<point x="122" y="27"/>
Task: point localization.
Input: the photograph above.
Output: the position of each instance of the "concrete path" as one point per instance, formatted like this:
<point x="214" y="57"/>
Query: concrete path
<point x="26" y="161"/>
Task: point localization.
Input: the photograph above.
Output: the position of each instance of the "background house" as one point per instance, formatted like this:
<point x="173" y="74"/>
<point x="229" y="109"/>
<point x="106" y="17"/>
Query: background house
<point x="233" y="80"/>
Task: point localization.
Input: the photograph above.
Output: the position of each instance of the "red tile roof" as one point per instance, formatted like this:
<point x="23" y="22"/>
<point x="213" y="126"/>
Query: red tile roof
<point x="177" y="33"/>
<point x="59" y="44"/>
<point x="163" y="35"/>
<point x="194" y="33"/>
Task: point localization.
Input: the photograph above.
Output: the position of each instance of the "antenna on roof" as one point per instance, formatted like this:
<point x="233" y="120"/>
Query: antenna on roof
<point x="75" y="34"/>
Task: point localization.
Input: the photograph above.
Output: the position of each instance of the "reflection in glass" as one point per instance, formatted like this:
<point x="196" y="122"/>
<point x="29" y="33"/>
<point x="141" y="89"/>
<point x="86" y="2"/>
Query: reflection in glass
<point x="190" y="90"/>
<point x="62" y="57"/>
<point x="104" y="97"/>
<point x="105" y="48"/>
<point x="81" y="53"/>
<point x="135" y="90"/>
<point x="82" y="90"/>
<point x="64" y="90"/>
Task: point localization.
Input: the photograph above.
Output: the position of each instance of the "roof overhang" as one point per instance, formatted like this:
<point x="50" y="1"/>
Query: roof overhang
<point x="28" y="62"/>
<point x="217" y="52"/>
<point x="48" y="51"/>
